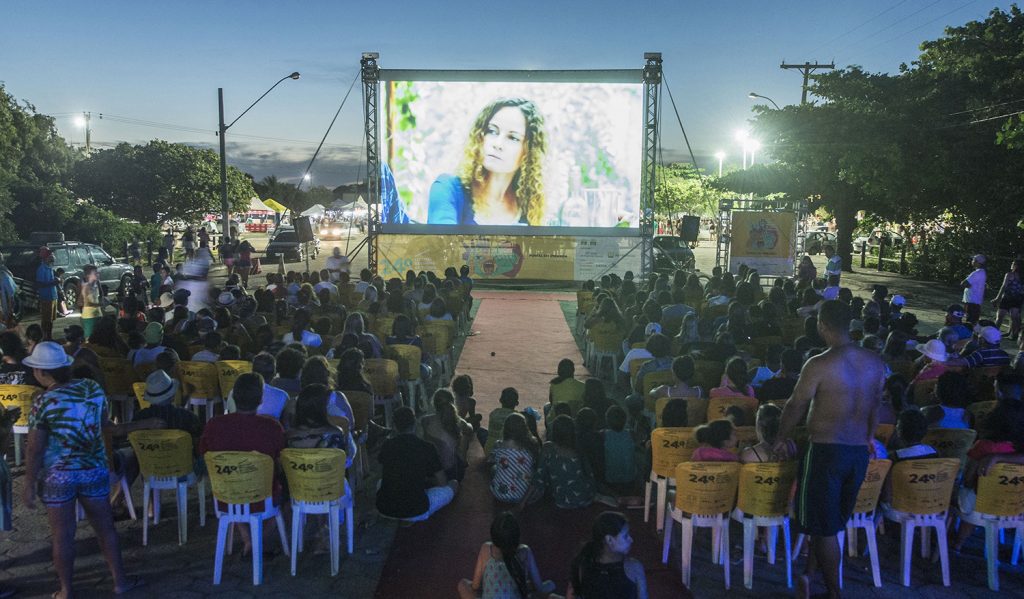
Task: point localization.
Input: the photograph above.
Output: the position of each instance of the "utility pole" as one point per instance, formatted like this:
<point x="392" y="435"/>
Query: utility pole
<point x="87" y="116"/>
<point x="807" y="68"/>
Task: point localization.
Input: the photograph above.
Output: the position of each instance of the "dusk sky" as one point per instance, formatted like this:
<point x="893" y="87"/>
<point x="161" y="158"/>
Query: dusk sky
<point x="163" y="62"/>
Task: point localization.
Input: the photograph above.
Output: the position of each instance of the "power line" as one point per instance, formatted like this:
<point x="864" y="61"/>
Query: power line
<point x="942" y="16"/>
<point x="986" y="107"/>
<point x="849" y="31"/>
<point x="889" y="26"/>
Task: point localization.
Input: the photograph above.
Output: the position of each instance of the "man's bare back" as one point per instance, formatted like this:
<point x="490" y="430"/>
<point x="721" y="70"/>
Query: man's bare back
<point x="844" y="386"/>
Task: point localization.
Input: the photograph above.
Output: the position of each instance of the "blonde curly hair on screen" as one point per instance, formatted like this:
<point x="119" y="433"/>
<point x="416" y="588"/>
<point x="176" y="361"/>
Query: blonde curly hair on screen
<point x="528" y="184"/>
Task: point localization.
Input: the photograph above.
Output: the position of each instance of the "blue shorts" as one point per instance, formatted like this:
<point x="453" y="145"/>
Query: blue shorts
<point x="830" y="478"/>
<point x="58" y="487"/>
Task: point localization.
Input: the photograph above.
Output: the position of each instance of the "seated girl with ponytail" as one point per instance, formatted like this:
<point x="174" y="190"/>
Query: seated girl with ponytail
<point x="602" y="570"/>
<point x="504" y="568"/>
<point x="716" y="438"/>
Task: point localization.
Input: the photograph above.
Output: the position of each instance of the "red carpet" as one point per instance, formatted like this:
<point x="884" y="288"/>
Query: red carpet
<point x="528" y="335"/>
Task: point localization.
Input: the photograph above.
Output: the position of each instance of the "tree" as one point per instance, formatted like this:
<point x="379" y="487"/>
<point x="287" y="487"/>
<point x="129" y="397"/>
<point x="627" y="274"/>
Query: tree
<point x="159" y="182"/>
<point x="679" y="189"/>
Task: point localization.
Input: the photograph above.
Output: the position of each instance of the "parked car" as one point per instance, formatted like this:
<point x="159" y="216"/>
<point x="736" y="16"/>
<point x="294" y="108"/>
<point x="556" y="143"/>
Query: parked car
<point x="817" y="241"/>
<point x="23" y="258"/>
<point x="674" y="250"/>
<point x="892" y="240"/>
<point x="285" y="242"/>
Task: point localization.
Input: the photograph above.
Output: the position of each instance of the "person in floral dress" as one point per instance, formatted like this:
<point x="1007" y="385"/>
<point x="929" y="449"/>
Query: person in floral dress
<point x="513" y="459"/>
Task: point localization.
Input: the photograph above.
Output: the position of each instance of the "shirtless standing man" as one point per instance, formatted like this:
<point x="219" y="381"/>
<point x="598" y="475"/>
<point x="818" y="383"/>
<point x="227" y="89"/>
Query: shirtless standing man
<point x="842" y="388"/>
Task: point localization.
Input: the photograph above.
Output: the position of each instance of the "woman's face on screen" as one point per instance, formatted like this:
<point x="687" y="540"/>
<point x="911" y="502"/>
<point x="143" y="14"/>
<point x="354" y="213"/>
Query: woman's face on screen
<point x="504" y="141"/>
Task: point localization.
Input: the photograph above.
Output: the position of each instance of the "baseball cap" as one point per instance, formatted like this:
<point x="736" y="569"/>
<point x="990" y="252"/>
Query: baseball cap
<point x="652" y="328"/>
<point x="898" y="300"/>
<point x="990" y="335"/>
<point x="979" y="258"/>
<point x="955" y="310"/>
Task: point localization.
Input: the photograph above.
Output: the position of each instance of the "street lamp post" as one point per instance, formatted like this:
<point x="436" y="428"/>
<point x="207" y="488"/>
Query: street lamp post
<point x="721" y="158"/>
<point x="754" y="96"/>
<point x="221" y="130"/>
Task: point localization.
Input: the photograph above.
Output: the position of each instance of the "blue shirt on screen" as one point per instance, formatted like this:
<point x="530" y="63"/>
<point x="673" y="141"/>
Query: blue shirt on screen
<point x="392" y="208"/>
<point x="46" y="282"/>
<point x="449" y="204"/>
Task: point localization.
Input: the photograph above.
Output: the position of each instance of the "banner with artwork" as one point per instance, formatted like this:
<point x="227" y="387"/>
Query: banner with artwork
<point x="765" y="241"/>
<point x="500" y="257"/>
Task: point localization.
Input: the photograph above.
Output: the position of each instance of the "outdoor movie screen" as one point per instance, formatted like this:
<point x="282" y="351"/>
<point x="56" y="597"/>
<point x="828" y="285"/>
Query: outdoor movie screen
<point x="491" y="156"/>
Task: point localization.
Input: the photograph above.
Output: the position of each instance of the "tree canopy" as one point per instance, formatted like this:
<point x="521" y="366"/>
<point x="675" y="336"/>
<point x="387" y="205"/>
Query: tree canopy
<point x="159" y="182"/>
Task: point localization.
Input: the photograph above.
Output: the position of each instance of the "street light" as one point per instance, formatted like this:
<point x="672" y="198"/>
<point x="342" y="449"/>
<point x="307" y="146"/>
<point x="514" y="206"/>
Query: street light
<point x="720" y="155"/>
<point x="754" y="96"/>
<point x="222" y="129"/>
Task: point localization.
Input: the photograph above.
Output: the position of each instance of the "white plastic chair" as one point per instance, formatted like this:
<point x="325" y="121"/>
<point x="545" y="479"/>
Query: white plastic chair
<point x="763" y="501"/>
<point x="920" y="499"/>
<point x="240" y="479"/>
<point x="1000" y="505"/>
<point x="707" y="493"/>
<point x="166" y="464"/>
<point x="316" y="480"/>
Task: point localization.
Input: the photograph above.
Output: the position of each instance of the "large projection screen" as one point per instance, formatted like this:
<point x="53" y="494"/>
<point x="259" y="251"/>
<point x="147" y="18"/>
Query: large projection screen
<point x="512" y="152"/>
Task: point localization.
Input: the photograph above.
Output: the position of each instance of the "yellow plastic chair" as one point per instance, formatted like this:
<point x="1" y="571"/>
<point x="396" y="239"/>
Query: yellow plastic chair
<point x="604" y="343"/>
<point x="438" y="337"/>
<point x="382" y="326"/>
<point x="746" y="436"/>
<point x="383" y="377"/>
<point x="634" y="367"/>
<point x="705" y="495"/>
<point x="362" y="409"/>
<point x="924" y="392"/>
<point x="569" y="391"/>
<point x="651" y="381"/>
<point x="584" y="306"/>
<point x="980" y="410"/>
<point x="166" y="462"/>
<point x="920" y="499"/>
<point x="884" y="432"/>
<point x="707" y="374"/>
<point x="717" y="407"/>
<point x="408" y="358"/>
<point x="228" y="372"/>
<point x="696" y="409"/>
<point x="239" y="479"/>
<point x="863" y="517"/>
<point x="1000" y="505"/>
<point x="203" y="381"/>
<point x="763" y="500"/>
<point x="142" y="371"/>
<point x="18" y="396"/>
<point x="316" y="483"/>
<point x="669" y="448"/>
<point x="118" y="376"/>
<point x="951" y="442"/>
<point x="140" y="395"/>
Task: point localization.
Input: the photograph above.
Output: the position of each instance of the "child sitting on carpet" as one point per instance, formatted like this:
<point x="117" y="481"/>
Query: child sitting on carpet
<point x="602" y="568"/>
<point x="462" y="387"/>
<point x="504" y="568"/>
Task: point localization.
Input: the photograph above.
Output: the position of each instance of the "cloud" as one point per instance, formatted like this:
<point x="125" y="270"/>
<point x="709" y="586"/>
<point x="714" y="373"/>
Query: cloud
<point x="335" y="165"/>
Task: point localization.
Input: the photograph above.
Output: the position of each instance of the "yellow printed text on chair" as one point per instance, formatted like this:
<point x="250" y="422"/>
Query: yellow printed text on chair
<point x="201" y="381"/>
<point x="228" y="372"/>
<point x="696" y="410"/>
<point x="669" y="448"/>
<point x="717" y="407"/>
<point x="705" y="496"/>
<point x="239" y="479"/>
<point x="166" y="462"/>
<point x="316" y="484"/>
<point x="408" y="358"/>
<point x="951" y="442"/>
<point x="999" y="505"/>
<point x="383" y="377"/>
<point x="763" y="501"/>
<point x="921" y="492"/>
<point x="118" y="376"/>
<point x="18" y="396"/>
